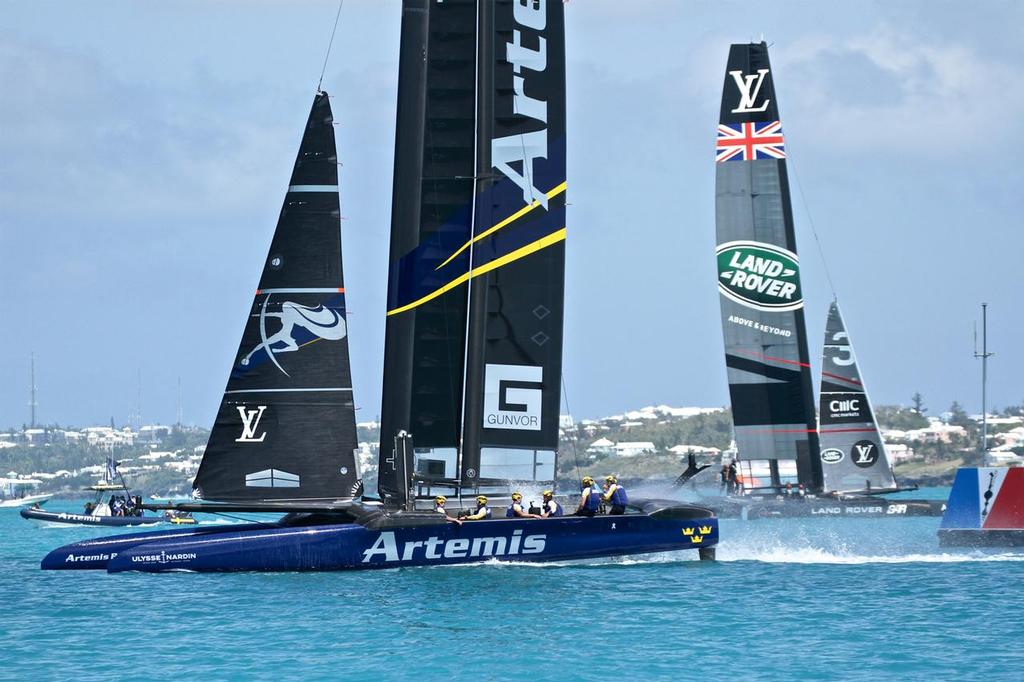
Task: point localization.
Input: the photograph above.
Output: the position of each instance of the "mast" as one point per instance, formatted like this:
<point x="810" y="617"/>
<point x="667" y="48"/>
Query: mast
<point x="476" y="329"/>
<point x="761" y="300"/>
<point x="984" y="355"/>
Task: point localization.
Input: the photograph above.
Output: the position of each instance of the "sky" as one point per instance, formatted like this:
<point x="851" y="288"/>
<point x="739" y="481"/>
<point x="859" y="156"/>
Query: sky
<point x="145" y="149"/>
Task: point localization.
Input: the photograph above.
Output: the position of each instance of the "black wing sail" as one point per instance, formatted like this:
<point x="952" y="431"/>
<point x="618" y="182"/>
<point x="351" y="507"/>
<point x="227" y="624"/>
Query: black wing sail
<point x="424" y="349"/>
<point x="286" y="429"/>
<point x="514" y="366"/>
<point x="852" y="452"/>
<point x="759" y="277"/>
<point x="474" y="326"/>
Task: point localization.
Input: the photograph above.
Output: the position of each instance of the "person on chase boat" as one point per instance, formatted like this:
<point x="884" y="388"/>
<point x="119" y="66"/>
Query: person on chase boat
<point x="549" y="507"/>
<point x="515" y="510"/>
<point x="615" y="495"/>
<point x="590" y="498"/>
<point x="482" y="510"/>
<point x="439" y="503"/>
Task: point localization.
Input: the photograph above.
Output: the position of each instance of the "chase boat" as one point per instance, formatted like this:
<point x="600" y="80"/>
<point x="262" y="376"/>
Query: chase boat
<point x="473" y="345"/>
<point x="103" y="509"/>
<point x="17" y="492"/>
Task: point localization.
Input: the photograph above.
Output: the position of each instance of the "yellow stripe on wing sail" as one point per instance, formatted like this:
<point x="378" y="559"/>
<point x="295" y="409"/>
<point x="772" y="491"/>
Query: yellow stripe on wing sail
<point x="511" y="219"/>
<point x="521" y="252"/>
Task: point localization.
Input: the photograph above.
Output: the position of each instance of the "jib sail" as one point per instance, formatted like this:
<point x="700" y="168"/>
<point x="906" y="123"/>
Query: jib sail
<point x="852" y="452"/>
<point x="286" y="428"/>
<point x="475" y="295"/>
<point x="759" y="278"/>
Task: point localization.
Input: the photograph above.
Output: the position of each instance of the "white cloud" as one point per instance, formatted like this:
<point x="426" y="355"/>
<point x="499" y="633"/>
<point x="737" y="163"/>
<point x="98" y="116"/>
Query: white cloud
<point x="891" y="91"/>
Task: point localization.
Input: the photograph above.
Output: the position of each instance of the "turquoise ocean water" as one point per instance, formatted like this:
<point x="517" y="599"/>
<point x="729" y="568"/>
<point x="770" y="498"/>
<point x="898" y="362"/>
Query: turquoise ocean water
<point x="839" y="599"/>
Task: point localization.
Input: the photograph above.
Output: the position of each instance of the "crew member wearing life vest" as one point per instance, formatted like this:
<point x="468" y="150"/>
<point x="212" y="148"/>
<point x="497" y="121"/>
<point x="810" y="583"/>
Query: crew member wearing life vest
<point x="590" y="498"/>
<point x="614" y="495"/>
<point x="439" y="503"/>
<point x="515" y="510"/>
<point x="549" y="507"/>
<point x="482" y="510"/>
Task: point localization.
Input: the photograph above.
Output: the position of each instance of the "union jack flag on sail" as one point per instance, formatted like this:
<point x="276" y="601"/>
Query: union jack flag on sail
<point x="749" y="141"/>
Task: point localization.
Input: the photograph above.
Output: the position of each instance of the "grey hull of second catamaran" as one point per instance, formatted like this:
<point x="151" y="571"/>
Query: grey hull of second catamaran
<point x="742" y="507"/>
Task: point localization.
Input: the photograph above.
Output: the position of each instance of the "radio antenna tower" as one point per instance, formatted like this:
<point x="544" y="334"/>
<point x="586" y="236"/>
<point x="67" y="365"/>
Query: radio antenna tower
<point x="984" y="355"/>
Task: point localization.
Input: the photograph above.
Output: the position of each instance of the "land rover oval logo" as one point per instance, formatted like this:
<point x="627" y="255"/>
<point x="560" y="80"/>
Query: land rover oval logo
<point x="832" y="456"/>
<point x="760" y="276"/>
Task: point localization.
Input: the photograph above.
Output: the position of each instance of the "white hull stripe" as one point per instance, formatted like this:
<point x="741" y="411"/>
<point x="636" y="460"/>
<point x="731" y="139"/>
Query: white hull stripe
<point x="309" y="290"/>
<point x="312" y="188"/>
<point x="285" y="390"/>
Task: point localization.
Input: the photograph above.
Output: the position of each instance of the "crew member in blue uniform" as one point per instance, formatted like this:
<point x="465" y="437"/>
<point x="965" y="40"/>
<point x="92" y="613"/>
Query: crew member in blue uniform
<point x="590" y="498"/>
<point x="515" y="510"/>
<point x="549" y="507"/>
<point x="614" y="495"/>
<point x="482" y="510"/>
<point x="439" y="503"/>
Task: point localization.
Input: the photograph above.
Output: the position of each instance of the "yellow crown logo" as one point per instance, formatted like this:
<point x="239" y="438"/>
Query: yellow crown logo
<point x="688" y="531"/>
<point x="705" y="530"/>
<point x="697" y="539"/>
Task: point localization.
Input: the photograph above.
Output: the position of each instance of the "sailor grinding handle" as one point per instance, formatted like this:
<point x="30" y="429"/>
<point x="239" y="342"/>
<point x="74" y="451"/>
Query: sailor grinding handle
<point x="615" y="495"/>
<point x="590" y="498"/>
<point x="515" y="510"/>
<point x="439" y="503"/>
<point x="550" y="508"/>
<point x="482" y="510"/>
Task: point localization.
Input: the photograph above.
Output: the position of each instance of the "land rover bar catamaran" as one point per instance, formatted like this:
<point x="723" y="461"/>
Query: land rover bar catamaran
<point x="473" y="338"/>
<point x="788" y="463"/>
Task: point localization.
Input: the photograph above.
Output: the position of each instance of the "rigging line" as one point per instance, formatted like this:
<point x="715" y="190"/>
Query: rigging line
<point x="329" y="45"/>
<point x="268" y="524"/>
<point x="810" y="219"/>
<point x="572" y="426"/>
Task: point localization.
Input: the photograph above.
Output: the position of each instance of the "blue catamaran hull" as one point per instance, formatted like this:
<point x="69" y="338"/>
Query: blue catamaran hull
<point x="353" y="546"/>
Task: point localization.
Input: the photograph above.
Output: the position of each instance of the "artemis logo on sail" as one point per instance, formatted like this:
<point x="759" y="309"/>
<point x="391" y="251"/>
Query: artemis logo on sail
<point x="513" y="397"/>
<point x="386" y="547"/>
<point x="760" y="276"/>
<point x="251" y="422"/>
<point x="523" y="148"/>
<point x="320" y="322"/>
<point x="749" y="87"/>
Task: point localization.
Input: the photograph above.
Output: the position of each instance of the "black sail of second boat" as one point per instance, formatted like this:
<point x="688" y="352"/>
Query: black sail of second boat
<point x="766" y="353"/>
<point x="285" y="430"/>
<point x="475" y="293"/>
<point x="852" y="452"/>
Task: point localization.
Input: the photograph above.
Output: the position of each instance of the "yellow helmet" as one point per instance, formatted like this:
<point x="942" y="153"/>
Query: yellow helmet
<point x="548" y="493"/>
<point x="587" y="480"/>
<point x="611" y="479"/>
<point x="517" y="496"/>
<point x="440" y="499"/>
<point x="481" y="499"/>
